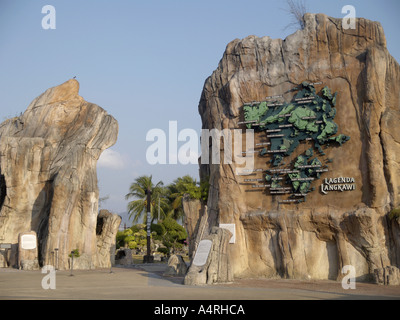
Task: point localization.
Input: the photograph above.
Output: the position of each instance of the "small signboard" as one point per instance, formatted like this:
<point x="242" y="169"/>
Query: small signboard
<point x="28" y="241"/>
<point x="202" y="252"/>
<point x="5" y="245"/>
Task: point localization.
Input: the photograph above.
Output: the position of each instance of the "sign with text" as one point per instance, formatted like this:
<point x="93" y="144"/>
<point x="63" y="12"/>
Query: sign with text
<point x="202" y="252"/>
<point x="338" y="184"/>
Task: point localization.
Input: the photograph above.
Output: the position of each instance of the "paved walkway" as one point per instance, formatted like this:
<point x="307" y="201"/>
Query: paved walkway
<point x="145" y="282"/>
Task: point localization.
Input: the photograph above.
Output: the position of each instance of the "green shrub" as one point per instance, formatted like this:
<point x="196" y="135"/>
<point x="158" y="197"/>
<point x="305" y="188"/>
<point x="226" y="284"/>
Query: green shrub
<point x="74" y="253"/>
<point x="394" y="214"/>
<point x="120" y="239"/>
<point x="128" y="239"/>
<point x="140" y="234"/>
<point x="132" y="244"/>
<point x="204" y="189"/>
<point x="178" y="245"/>
<point x="175" y="234"/>
<point x="127" y="232"/>
<point x="137" y="227"/>
<point x="133" y="237"/>
<point x="157" y="230"/>
<point x="163" y="250"/>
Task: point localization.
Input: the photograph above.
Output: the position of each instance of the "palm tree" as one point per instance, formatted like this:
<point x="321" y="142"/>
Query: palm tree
<point x="158" y="201"/>
<point x="180" y="187"/>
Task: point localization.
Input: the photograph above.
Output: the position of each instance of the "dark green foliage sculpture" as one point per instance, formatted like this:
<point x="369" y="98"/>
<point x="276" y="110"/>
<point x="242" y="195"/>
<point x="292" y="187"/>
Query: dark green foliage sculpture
<point x="308" y="116"/>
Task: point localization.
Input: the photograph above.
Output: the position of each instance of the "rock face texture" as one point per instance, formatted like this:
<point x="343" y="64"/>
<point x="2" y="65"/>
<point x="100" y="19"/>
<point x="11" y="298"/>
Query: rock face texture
<point x="176" y="266"/>
<point x="48" y="178"/>
<point x="193" y="211"/>
<point x="124" y="257"/>
<point x="389" y="276"/>
<point x="106" y="232"/>
<point x="316" y="238"/>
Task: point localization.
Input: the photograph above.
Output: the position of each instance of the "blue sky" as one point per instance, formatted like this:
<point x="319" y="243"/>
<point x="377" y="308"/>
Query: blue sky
<point x="145" y="62"/>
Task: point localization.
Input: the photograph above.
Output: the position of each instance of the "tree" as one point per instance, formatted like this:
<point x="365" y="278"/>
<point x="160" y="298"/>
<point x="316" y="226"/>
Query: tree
<point x="180" y="187"/>
<point x="186" y="186"/>
<point x="133" y="238"/>
<point x="158" y="201"/>
<point x="204" y="189"/>
<point x="296" y="9"/>
<point x="170" y="232"/>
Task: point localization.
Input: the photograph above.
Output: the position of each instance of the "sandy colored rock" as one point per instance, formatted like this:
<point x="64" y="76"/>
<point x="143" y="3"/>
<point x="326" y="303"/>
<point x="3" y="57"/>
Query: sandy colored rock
<point x="124" y="257"/>
<point x="193" y="210"/>
<point x="389" y="276"/>
<point x="28" y="251"/>
<point x="217" y="267"/>
<point x="176" y="266"/>
<point x="314" y="239"/>
<point x="48" y="176"/>
<point x="106" y="232"/>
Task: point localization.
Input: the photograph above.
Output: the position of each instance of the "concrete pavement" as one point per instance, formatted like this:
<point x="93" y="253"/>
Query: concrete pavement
<point x="145" y="282"/>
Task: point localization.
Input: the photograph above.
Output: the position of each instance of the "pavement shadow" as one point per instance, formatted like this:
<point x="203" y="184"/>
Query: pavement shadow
<point x="154" y="274"/>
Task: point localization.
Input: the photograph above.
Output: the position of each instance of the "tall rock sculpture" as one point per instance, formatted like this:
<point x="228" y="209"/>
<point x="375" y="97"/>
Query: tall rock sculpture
<point x="211" y="263"/>
<point x="48" y="178"/>
<point x="193" y="209"/>
<point x="106" y="232"/>
<point x="278" y="233"/>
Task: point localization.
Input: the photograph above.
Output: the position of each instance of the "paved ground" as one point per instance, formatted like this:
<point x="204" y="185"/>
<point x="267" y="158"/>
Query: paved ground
<point x="145" y="282"/>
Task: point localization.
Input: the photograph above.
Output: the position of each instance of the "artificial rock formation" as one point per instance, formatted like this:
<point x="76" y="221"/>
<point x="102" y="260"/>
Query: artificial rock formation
<point x="48" y="178"/>
<point x="28" y="252"/>
<point x="217" y="265"/>
<point x="316" y="238"/>
<point x="176" y="266"/>
<point x="194" y="210"/>
<point x="389" y="276"/>
<point x="106" y="232"/>
<point x="124" y="257"/>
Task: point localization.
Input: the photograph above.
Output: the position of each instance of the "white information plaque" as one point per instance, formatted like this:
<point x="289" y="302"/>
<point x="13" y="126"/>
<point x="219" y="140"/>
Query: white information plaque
<point x="231" y="228"/>
<point x="28" y="241"/>
<point x="202" y="252"/>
